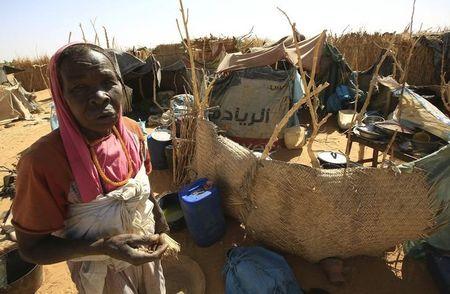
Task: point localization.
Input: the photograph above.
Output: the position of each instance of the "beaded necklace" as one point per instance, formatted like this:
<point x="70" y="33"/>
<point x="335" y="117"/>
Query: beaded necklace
<point x="101" y="172"/>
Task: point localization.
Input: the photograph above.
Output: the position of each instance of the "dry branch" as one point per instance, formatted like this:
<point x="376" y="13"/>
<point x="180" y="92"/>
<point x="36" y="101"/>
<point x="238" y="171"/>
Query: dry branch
<point x="96" y="38"/>
<point x="106" y="37"/>
<point x="285" y="119"/>
<point x="445" y="87"/>
<point x="307" y="87"/>
<point x="82" y="33"/>
<point x="185" y="17"/>
<point x="388" y="147"/>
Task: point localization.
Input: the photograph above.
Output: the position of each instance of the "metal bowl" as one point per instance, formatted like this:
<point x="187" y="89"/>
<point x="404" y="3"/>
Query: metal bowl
<point x="368" y="132"/>
<point x="371" y="119"/>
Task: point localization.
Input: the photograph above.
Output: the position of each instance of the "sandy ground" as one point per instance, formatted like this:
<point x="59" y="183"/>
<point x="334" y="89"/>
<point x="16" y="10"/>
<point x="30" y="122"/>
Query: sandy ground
<point x="364" y="274"/>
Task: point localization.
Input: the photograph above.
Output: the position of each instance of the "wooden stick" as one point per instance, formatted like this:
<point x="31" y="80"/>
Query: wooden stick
<point x="352" y="123"/>
<point x="106" y="37"/>
<point x="96" y="38"/>
<point x="408" y="60"/>
<point x="373" y="81"/>
<point x="40" y="66"/>
<point x="185" y="17"/>
<point x="307" y="87"/>
<point x="284" y="121"/>
<point x="445" y="87"/>
<point x="174" y="135"/>
<point x="70" y="36"/>
<point x="82" y="33"/>
<point x="388" y="147"/>
<point x="155" y="78"/>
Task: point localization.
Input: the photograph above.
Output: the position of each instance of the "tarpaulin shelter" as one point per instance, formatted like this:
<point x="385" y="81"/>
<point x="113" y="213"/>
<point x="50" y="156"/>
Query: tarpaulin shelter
<point x="416" y="111"/>
<point x="175" y="77"/>
<point x="15" y="101"/>
<point x="267" y="56"/>
<point x="142" y="77"/>
<point x="252" y="101"/>
<point x="255" y="90"/>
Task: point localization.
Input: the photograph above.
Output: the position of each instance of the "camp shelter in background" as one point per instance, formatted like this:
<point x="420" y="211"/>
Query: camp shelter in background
<point x="267" y="56"/>
<point x="15" y="101"/>
<point x="175" y="65"/>
<point x="143" y="78"/>
<point x="255" y="90"/>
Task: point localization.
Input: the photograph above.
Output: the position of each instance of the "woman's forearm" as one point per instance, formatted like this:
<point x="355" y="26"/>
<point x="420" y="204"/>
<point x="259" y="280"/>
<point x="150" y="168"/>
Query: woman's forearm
<point x="161" y="225"/>
<point x="48" y="249"/>
<point x="51" y="249"/>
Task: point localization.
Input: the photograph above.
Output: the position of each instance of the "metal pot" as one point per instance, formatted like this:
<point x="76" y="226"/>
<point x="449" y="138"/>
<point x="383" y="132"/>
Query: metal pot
<point x="332" y="160"/>
<point x="22" y="276"/>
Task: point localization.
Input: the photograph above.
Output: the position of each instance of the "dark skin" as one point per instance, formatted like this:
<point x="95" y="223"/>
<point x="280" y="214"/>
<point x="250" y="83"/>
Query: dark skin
<point x="93" y="93"/>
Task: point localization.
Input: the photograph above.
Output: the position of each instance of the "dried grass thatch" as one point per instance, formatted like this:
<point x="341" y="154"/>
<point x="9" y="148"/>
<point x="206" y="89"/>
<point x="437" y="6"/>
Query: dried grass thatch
<point x="362" y="50"/>
<point x="244" y="44"/>
<point x="205" y="50"/>
<point x="35" y="77"/>
<point x="168" y="54"/>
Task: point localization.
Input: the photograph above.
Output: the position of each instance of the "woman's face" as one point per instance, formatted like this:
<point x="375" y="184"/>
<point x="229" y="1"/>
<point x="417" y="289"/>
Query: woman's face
<point x="92" y="91"/>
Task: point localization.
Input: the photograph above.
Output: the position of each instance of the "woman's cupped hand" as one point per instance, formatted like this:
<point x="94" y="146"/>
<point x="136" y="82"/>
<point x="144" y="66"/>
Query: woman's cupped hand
<point x="134" y="249"/>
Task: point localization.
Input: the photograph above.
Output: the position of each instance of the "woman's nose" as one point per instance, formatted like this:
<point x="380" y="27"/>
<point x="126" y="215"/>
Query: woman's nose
<point x="100" y="98"/>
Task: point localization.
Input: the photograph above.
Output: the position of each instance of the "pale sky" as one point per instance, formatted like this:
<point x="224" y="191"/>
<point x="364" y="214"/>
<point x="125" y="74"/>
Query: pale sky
<point x="34" y="27"/>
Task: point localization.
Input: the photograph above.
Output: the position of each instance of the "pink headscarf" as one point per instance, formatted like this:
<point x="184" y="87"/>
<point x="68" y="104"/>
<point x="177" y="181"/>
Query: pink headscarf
<point x="109" y="152"/>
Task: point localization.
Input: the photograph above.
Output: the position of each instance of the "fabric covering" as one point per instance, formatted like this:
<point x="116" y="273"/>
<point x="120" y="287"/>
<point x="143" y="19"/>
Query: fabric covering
<point x="316" y="213"/>
<point x="252" y="101"/>
<point x="78" y="154"/>
<point x="15" y="101"/>
<point x="251" y="270"/>
<point x="45" y="184"/>
<point x="124" y="210"/>
<point x="437" y="167"/>
<point x="268" y="56"/>
<point x="416" y="111"/>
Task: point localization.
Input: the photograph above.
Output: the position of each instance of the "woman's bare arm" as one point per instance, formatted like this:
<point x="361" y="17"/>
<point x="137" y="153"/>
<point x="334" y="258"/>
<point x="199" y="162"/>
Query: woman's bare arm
<point x="48" y="249"/>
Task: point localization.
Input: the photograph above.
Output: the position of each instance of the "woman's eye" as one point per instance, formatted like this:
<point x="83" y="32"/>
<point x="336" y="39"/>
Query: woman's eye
<point x="79" y="88"/>
<point x="110" y="82"/>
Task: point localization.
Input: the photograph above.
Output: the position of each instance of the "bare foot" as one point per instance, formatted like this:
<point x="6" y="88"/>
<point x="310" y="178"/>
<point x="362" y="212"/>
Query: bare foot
<point x="333" y="268"/>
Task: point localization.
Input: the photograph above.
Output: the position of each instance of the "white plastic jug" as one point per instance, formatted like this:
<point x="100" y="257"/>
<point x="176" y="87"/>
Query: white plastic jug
<point x="294" y="137"/>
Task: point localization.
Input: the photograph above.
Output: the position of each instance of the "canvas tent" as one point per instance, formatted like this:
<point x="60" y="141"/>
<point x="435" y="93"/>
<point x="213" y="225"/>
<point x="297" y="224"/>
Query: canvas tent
<point x="253" y="93"/>
<point x="267" y="56"/>
<point x="175" y="77"/>
<point x="142" y="77"/>
<point x="15" y="101"/>
<point x="252" y="101"/>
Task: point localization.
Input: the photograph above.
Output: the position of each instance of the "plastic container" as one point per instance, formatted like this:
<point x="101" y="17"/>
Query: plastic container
<point x="345" y="118"/>
<point x="157" y="142"/>
<point x="54" y="124"/>
<point x="202" y="211"/>
<point x="171" y="208"/>
<point x="294" y="137"/>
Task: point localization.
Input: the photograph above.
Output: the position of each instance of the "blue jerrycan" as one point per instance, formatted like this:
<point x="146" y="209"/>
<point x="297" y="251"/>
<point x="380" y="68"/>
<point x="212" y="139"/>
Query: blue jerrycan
<point x="201" y="205"/>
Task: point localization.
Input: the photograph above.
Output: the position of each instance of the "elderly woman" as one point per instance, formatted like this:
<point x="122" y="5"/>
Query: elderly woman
<point x="83" y="191"/>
